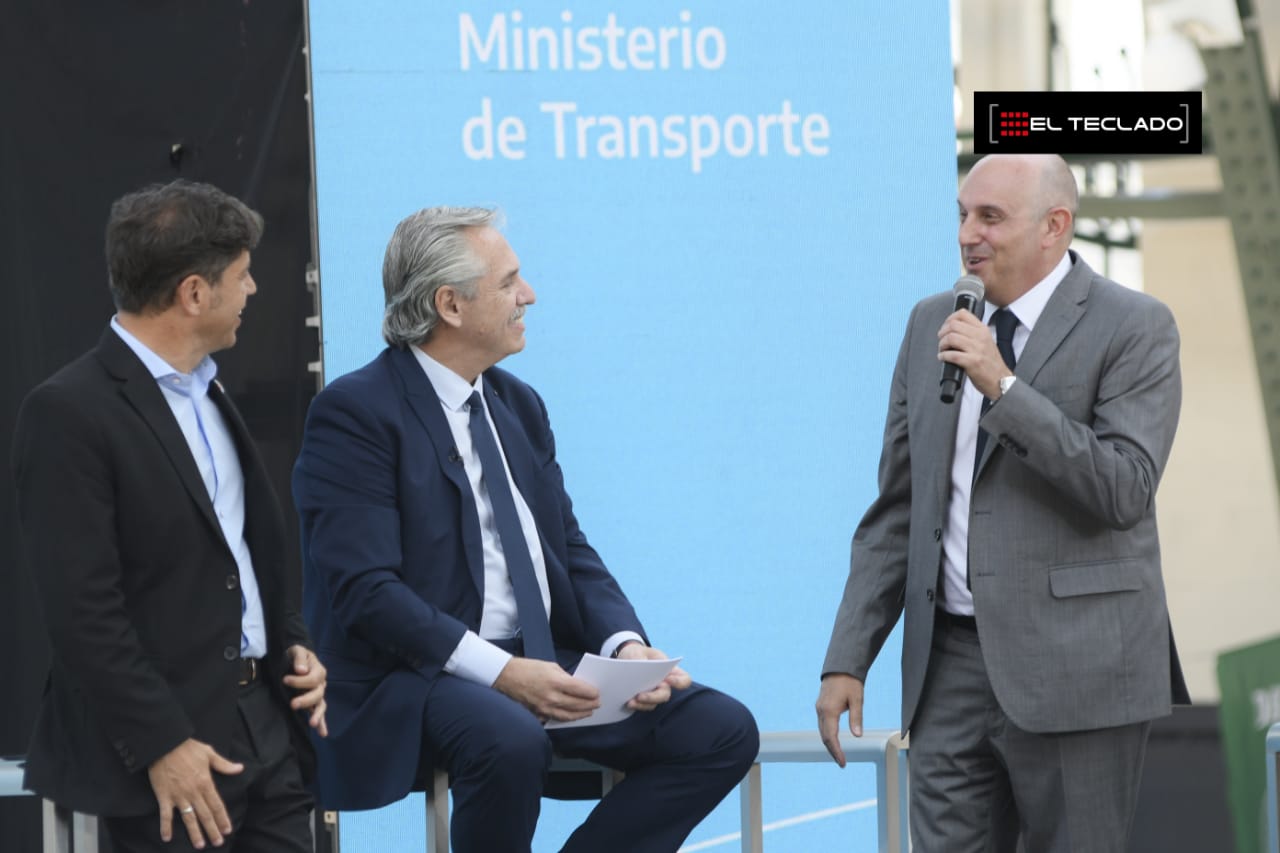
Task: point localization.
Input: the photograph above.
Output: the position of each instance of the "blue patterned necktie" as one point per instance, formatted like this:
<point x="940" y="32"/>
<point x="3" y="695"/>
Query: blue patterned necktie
<point x="534" y="628"/>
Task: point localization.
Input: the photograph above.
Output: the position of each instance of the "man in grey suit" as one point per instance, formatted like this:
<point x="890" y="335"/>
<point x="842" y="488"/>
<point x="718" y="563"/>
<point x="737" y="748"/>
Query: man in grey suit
<point x="1036" y="646"/>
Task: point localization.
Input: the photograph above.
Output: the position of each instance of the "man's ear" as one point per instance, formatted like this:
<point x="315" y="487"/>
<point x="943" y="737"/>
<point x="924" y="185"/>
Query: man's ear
<point x="449" y="306"/>
<point x="1058" y="225"/>
<point x="192" y="295"/>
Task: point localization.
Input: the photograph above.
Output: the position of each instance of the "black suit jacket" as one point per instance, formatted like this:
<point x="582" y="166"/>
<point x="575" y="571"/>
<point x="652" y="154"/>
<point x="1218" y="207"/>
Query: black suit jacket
<point x="139" y="587"/>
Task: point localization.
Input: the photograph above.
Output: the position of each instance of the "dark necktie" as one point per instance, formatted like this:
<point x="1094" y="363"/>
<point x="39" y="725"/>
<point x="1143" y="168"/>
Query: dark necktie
<point x="1006" y="323"/>
<point x="534" y="628"/>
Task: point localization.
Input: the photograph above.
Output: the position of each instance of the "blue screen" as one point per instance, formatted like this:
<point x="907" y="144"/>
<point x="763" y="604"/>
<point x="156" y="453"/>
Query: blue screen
<point x="726" y="210"/>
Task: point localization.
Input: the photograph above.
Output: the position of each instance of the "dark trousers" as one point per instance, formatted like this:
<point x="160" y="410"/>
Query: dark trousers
<point x="680" y="760"/>
<point x="981" y="784"/>
<point x="268" y="804"/>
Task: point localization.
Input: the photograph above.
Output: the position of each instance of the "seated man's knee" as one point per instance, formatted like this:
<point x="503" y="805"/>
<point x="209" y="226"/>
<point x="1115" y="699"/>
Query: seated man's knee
<point x="517" y="743"/>
<point x="512" y="743"/>
<point x="528" y="747"/>
<point x="728" y="729"/>
<point x="740" y="733"/>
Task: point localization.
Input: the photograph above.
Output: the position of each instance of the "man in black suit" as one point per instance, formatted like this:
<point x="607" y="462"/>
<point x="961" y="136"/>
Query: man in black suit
<point x="182" y="679"/>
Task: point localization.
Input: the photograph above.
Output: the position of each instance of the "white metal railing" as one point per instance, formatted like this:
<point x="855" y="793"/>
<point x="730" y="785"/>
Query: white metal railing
<point x="883" y="748"/>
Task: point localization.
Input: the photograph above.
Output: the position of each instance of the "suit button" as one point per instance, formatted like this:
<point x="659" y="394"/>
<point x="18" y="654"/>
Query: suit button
<point x="937" y="534"/>
<point x="232" y="581"/>
<point x="230" y="653"/>
<point x="1021" y="452"/>
<point x="928" y="593"/>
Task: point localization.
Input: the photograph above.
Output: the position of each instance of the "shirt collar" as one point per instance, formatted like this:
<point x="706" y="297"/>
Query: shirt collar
<point x="196" y="382"/>
<point x="1029" y="306"/>
<point x="452" y="389"/>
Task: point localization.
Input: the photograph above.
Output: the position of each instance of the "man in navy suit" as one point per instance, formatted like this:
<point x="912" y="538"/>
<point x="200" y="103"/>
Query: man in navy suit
<point x="451" y="591"/>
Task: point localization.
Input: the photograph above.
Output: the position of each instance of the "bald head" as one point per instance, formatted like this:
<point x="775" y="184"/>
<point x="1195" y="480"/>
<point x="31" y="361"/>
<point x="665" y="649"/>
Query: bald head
<point x="1046" y="178"/>
<point x="1017" y="216"/>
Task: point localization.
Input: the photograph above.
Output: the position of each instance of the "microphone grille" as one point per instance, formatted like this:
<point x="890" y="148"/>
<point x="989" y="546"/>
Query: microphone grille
<point x="971" y="285"/>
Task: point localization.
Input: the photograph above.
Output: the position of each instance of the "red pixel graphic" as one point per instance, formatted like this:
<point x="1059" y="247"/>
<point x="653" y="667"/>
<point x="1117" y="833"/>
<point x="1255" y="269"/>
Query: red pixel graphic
<point x="1014" y="123"/>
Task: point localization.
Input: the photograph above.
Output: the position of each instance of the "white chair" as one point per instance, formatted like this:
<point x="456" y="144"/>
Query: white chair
<point x="569" y="779"/>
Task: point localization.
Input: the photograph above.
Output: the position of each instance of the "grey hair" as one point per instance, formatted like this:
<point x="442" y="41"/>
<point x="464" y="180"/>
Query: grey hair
<point x="426" y="252"/>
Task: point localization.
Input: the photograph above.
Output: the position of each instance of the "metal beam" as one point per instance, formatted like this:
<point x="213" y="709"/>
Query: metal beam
<point x="1244" y="138"/>
<point x="1155" y="204"/>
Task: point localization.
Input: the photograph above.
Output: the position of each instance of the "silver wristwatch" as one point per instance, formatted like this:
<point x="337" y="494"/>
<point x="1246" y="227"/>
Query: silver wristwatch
<point x="1006" y="383"/>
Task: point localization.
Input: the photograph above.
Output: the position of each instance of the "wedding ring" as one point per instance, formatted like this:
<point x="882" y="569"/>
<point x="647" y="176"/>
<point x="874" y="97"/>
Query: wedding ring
<point x="187" y="810"/>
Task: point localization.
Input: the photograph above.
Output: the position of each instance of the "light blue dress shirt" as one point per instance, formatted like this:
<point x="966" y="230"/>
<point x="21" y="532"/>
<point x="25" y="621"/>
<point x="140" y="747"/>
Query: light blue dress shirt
<point x="214" y="450"/>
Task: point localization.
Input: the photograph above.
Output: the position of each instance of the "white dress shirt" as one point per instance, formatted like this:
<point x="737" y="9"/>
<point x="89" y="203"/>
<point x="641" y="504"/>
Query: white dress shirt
<point x="1028" y="307"/>
<point x="475" y="659"/>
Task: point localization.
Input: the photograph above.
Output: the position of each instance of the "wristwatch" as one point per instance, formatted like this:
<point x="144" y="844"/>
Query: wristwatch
<point x="622" y="646"/>
<point x="1006" y="383"/>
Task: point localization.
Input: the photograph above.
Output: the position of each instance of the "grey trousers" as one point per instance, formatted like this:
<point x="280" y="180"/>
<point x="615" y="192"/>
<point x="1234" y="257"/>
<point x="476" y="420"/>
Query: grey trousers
<point x="979" y="783"/>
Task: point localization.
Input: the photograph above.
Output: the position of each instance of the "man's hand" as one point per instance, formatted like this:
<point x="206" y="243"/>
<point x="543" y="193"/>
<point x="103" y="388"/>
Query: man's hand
<point x="839" y="693"/>
<point x="308" y="679"/>
<point x="677" y="679"/>
<point x="182" y="780"/>
<point x="965" y="340"/>
<point x="547" y="690"/>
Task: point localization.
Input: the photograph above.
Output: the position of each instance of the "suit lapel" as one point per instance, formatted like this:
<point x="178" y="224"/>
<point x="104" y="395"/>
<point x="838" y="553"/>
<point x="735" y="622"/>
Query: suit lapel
<point x="239" y="432"/>
<point x="946" y="425"/>
<point x="251" y="471"/>
<point x="940" y="420"/>
<point x="425" y="404"/>
<point x="139" y="388"/>
<point x="1063" y="310"/>
<point x="515" y="444"/>
<point x="523" y="465"/>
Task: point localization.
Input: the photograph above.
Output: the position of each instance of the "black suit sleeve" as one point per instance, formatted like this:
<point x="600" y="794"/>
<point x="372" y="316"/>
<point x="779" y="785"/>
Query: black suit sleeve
<point x="64" y="473"/>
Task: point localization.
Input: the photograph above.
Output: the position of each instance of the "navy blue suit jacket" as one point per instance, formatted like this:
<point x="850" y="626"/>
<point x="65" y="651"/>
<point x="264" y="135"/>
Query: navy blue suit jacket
<point x="394" y="572"/>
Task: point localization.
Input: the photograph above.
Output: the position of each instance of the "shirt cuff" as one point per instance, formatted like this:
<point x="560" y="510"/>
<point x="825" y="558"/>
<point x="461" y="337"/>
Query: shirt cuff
<point x="611" y="645"/>
<point x="476" y="660"/>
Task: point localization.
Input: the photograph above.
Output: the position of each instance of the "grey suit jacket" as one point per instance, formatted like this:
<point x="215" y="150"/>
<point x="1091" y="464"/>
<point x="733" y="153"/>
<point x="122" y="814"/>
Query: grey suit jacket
<point x="1063" y="552"/>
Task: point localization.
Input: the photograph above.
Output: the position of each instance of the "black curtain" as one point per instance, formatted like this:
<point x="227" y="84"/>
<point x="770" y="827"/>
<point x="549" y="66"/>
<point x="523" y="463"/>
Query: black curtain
<point x="97" y="99"/>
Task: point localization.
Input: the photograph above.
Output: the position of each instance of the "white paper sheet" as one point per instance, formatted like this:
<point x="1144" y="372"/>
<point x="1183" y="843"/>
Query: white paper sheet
<point x="618" y="681"/>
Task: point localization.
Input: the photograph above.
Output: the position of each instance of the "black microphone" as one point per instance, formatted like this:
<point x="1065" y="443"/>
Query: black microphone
<point x="969" y="291"/>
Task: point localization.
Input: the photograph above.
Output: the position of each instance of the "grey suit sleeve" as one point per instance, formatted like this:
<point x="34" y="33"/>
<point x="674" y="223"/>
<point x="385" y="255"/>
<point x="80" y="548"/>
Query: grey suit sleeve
<point x="1109" y="461"/>
<point x="873" y="593"/>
